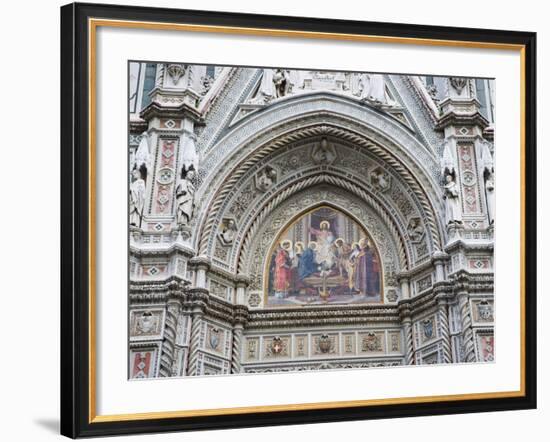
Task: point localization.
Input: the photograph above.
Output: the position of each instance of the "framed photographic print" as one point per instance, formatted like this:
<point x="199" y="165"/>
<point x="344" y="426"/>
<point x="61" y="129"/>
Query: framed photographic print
<point x="279" y="220"/>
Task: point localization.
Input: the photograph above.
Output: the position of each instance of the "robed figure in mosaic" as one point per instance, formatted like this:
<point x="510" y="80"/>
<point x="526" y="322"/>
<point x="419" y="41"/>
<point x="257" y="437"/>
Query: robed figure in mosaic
<point x="367" y="274"/>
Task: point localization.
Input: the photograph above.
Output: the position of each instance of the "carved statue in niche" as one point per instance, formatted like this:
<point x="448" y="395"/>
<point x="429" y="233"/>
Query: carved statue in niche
<point x="489" y="178"/>
<point x="281" y="81"/>
<point x="137" y="198"/>
<point x="267" y="87"/>
<point x="142" y="157"/>
<point x="452" y="199"/>
<point x="189" y="157"/>
<point x="206" y="82"/>
<point x="324" y="152"/>
<point x="185" y="197"/>
<point x="228" y="229"/>
<point x="373" y="88"/>
<point x="266" y="178"/>
<point x="415" y="229"/>
<point x="451" y="190"/>
<point x="432" y="92"/>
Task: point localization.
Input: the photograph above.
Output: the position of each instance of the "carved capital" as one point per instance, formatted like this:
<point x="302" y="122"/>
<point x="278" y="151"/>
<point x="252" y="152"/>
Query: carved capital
<point x="242" y="280"/>
<point x="200" y="262"/>
<point x="403" y="276"/>
<point x="439" y="257"/>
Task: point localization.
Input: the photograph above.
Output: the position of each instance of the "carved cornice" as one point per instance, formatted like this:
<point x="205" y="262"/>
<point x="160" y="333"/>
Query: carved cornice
<point x="140" y="251"/>
<point x="240" y="314"/>
<point x="144" y="345"/>
<point x="197" y="298"/>
<point x="404" y="307"/>
<point x="147" y="298"/>
<point x="138" y="126"/>
<point x="331" y="364"/>
<point x="309" y="317"/>
<point x="220" y="309"/>
<point x="459" y="119"/>
<point x="461" y="245"/>
<point x="168" y="103"/>
<point x="154" y="292"/>
<point x="442" y="288"/>
<point x="461" y="282"/>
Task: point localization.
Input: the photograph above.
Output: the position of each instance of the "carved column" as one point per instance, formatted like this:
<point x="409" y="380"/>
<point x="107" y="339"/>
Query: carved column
<point x="198" y="299"/>
<point x="442" y="292"/>
<point x="405" y="316"/>
<point x="241" y="314"/>
<point x="468" y="349"/>
<point x="173" y="308"/>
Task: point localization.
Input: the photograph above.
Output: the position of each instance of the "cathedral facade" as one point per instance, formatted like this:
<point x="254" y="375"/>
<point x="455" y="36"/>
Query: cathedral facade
<point x="284" y="220"/>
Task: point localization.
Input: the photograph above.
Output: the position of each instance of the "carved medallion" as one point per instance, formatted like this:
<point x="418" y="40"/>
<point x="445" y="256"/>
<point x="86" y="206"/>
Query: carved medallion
<point x="214" y="338"/>
<point x="277" y="345"/>
<point x="428" y="329"/>
<point x="325" y="343"/>
<point x="485" y="311"/>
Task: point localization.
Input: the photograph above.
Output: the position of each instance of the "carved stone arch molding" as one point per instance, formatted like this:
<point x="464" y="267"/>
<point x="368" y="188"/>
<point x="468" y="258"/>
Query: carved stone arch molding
<point x="254" y="261"/>
<point x="293" y="169"/>
<point x="311" y="183"/>
<point x="254" y="158"/>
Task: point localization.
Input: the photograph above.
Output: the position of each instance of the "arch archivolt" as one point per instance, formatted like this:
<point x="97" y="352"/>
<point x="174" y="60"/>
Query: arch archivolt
<point x="295" y="168"/>
<point x="224" y="192"/>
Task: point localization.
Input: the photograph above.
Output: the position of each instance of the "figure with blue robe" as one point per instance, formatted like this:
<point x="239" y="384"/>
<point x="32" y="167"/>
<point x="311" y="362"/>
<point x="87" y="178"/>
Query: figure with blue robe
<point x="307" y="265"/>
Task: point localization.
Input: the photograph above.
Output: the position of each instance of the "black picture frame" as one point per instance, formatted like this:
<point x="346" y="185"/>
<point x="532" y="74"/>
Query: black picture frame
<point x="76" y="418"/>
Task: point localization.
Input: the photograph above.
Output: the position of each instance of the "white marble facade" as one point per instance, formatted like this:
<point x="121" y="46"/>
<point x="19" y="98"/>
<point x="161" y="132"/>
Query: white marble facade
<point x="288" y="220"/>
